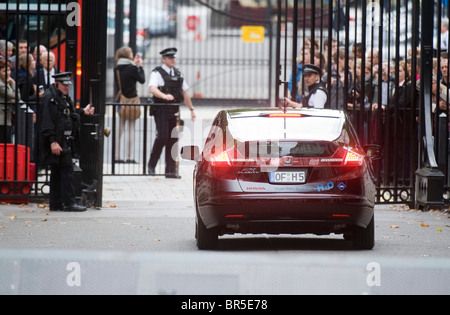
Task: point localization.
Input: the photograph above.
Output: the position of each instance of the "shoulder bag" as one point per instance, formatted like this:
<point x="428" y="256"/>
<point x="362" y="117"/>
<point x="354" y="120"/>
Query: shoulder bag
<point x="127" y="112"/>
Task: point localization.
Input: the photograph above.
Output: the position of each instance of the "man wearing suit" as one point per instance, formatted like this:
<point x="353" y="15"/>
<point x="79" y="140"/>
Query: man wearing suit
<point x="44" y="73"/>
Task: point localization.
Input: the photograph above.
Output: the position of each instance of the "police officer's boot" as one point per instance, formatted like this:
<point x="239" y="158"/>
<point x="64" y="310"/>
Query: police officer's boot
<point x="74" y="208"/>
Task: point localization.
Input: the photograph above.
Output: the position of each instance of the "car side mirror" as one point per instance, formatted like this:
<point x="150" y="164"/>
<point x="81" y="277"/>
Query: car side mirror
<point x="373" y="151"/>
<point x="190" y="153"/>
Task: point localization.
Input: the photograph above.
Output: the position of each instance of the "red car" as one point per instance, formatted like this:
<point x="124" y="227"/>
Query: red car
<point x="296" y="172"/>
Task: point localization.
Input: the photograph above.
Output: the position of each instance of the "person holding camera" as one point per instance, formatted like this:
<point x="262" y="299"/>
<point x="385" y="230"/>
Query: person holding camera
<point x="59" y="124"/>
<point x="128" y="71"/>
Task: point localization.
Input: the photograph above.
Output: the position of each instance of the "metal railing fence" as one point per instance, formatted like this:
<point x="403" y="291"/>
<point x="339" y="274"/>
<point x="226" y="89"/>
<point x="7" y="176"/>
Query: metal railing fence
<point x="129" y="142"/>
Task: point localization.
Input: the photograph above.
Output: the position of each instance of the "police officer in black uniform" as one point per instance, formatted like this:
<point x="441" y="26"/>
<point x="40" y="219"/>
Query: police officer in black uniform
<point x="168" y="87"/>
<point x="318" y="93"/>
<point x="58" y="124"/>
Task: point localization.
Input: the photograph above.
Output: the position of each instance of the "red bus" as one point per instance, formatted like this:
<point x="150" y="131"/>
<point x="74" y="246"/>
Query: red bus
<point x="50" y="23"/>
<point x="256" y="10"/>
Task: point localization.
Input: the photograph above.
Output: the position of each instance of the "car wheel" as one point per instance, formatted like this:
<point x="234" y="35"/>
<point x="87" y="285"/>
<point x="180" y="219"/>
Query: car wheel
<point x="364" y="238"/>
<point x="206" y="238"/>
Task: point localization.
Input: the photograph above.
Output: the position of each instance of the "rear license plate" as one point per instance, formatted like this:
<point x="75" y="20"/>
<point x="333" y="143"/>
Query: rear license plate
<point x="287" y="177"/>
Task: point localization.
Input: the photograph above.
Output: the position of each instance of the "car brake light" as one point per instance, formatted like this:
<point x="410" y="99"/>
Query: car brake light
<point x="230" y="157"/>
<point x="285" y="115"/>
<point x="221" y="159"/>
<point x="344" y="156"/>
<point x="353" y="158"/>
<point x="221" y="165"/>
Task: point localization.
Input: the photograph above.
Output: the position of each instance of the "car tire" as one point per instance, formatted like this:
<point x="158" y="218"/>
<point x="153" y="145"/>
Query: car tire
<point x="206" y="238"/>
<point x="364" y="238"/>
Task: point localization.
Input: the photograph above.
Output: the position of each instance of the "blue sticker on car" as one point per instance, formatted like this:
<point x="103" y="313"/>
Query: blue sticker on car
<point x="325" y="187"/>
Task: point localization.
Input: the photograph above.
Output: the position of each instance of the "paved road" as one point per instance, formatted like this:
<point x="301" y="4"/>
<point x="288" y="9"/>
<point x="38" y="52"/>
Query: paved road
<point x="168" y="226"/>
<point x="148" y="247"/>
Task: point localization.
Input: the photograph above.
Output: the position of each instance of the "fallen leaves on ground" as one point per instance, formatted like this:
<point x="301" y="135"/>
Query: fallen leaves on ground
<point x="109" y="205"/>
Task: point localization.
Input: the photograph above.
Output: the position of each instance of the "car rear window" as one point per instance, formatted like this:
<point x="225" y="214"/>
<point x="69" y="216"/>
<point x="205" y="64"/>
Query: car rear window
<point x="306" y="128"/>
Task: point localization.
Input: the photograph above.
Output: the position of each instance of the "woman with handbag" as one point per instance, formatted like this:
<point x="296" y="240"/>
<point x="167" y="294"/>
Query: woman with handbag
<point x="128" y="72"/>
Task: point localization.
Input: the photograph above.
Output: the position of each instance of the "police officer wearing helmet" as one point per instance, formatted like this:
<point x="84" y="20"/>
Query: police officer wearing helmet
<point x="59" y="123"/>
<point x="167" y="86"/>
<point x="318" y="94"/>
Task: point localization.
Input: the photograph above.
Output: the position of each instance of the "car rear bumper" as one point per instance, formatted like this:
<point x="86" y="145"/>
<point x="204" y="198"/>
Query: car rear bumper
<point x="286" y="213"/>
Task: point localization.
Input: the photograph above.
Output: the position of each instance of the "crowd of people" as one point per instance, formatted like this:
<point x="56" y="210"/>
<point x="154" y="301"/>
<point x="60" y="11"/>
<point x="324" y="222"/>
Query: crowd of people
<point x="382" y="97"/>
<point x="357" y="82"/>
<point x="25" y="75"/>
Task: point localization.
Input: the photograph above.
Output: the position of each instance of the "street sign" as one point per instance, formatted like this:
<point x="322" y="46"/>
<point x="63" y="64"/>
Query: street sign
<point x="253" y="34"/>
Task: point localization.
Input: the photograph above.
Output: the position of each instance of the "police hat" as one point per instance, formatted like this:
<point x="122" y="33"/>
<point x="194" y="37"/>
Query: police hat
<point x="169" y="52"/>
<point x="63" y="77"/>
<point x="309" y="68"/>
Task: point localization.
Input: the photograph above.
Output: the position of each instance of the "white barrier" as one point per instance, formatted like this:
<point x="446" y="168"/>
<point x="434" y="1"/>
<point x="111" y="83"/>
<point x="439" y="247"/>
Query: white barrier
<point x="216" y="273"/>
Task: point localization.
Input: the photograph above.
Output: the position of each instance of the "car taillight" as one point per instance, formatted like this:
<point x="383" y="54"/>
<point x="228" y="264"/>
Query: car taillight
<point x="353" y="158"/>
<point x="221" y="165"/>
<point x="231" y="157"/>
<point x="222" y="159"/>
<point x="343" y="156"/>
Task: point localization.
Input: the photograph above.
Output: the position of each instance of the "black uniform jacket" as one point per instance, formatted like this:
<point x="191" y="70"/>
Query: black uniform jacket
<point x="55" y="115"/>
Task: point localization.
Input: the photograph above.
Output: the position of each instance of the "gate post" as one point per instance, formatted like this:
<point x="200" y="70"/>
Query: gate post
<point x="93" y="91"/>
<point x="429" y="179"/>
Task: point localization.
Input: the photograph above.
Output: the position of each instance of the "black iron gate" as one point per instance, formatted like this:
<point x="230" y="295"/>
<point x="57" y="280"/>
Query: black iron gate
<point x="93" y="89"/>
<point x="375" y="56"/>
<point x="49" y="33"/>
<point x="32" y="44"/>
<point x="384" y="64"/>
